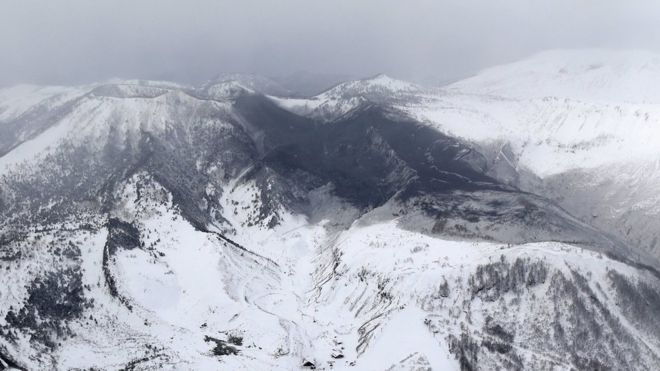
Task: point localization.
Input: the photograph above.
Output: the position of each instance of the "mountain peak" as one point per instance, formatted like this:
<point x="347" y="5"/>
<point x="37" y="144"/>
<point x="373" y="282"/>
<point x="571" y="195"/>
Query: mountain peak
<point x="346" y="96"/>
<point x="372" y="87"/>
<point x="380" y="77"/>
<point x="226" y="89"/>
<point x="251" y="82"/>
<point x="385" y="81"/>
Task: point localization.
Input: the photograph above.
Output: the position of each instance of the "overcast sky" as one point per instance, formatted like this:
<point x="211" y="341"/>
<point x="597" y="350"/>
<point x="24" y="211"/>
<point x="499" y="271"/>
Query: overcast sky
<point x="74" y="41"/>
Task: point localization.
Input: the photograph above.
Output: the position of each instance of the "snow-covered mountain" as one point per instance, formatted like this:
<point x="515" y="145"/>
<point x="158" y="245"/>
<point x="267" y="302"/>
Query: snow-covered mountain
<point x="605" y="76"/>
<point x="585" y="124"/>
<point x="347" y="96"/>
<point x="582" y="127"/>
<point x="379" y="225"/>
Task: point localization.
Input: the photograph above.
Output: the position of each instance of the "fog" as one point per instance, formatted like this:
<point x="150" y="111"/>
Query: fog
<point x="78" y="41"/>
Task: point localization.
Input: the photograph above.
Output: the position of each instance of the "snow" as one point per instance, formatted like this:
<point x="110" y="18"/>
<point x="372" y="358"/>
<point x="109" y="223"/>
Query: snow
<point x="94" y="117"/>
<point x="250" y="82"/>
<point x="314" y="301"/>
<point x="358" y="296"/>
<point x="19" y="99"/>
<point x="49" y="140"/>
<point x="556" y="109"/>
<point x="382" y="81"/>
<point x="227" y="90"/>
<point x="559" y="110"/>
<point x="404" y="335"/>
<point x="347" y="96"/>
<point x="411" y="266"/>
<point x="593" y="75"/>
<point x="549" y="136"/>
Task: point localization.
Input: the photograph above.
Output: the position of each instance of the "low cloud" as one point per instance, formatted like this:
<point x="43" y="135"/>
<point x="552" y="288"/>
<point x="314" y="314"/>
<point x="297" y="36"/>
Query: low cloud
<point x="77" y="41"/>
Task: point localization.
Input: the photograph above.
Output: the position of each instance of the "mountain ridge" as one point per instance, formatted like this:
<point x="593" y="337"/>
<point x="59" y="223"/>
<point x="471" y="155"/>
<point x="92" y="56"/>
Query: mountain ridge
<point x="219" y="227"/>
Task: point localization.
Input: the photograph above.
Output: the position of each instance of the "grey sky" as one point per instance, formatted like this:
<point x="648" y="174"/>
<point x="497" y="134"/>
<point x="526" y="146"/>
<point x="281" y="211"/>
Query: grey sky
<point x="73" y="41"/>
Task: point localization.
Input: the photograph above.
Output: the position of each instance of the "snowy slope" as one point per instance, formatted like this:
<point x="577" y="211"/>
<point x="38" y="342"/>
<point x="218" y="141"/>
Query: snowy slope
<point x="580" y="125"/>
<point x="491" y="304"/>
<point x="560" y="110"/>
<point x="549" y="135"/>
<point x="586" y="122"/>
<point x="602" y="76"/>
<point x="347" y="96"/>
<point x="18" y="100"/>
<point x="374" y="296"/>
<point x="123" y="109"/>
<point x="147" y="225"/>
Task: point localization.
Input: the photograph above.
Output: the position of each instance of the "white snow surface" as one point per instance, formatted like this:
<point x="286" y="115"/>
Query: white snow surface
<point x="559" y="110"/>
<point x="188" y="284"/>
<point x="548" y="135"/>
<point x="17" y="100"/>
<point x="592" y="75"/>
<point x="346" y="96"/>
<point x="121" y="108"/>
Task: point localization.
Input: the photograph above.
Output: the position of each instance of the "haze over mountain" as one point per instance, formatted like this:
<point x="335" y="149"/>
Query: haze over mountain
<point x="424" y="41"/>
<point x="505" y="221"/>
